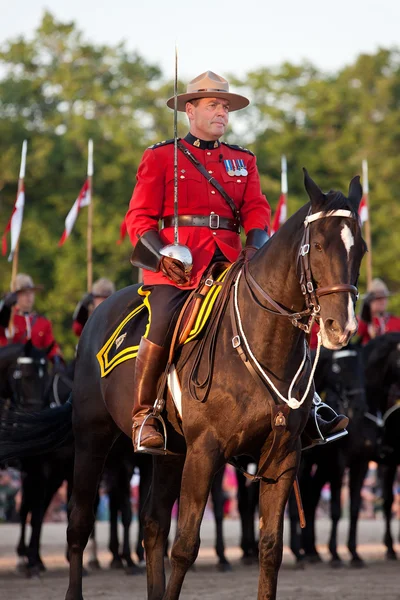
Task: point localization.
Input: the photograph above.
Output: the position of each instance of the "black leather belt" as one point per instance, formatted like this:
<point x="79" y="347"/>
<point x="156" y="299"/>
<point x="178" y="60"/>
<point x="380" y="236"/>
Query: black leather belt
<point x="212" y="221"/>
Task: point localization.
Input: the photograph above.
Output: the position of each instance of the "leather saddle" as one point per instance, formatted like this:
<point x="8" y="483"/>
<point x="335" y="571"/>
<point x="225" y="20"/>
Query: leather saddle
<point x="191" y="308"/>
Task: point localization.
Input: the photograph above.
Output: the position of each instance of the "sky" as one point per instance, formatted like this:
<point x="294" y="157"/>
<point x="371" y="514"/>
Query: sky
<point x="234" y="36"/>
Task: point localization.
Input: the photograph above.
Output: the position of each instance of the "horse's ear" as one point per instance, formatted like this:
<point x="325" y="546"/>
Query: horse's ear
<point x="316" y="195"/>
<point x="355" y="191"/>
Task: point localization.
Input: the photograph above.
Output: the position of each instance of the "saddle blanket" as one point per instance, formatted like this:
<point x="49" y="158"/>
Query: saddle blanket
<point x="123" y="343"/>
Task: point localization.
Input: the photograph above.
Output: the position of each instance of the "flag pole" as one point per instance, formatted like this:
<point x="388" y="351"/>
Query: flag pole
<point x="365" y="186"/>
<point x="21" y="177"/>
<point x="90" y="218"/>
<point x="284" y="183"/>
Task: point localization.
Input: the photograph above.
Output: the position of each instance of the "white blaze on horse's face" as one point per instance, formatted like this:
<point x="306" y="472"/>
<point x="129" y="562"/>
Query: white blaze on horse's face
<point x="350" y="326"/>
<point x="348" y="241"/>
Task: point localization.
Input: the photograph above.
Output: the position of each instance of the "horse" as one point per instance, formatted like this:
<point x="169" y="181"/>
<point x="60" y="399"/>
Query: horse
<point x="382" y="376"/>
<point x="340" y="377"/>
<point x="28" y="388"/>
<point x="308" y="269"/>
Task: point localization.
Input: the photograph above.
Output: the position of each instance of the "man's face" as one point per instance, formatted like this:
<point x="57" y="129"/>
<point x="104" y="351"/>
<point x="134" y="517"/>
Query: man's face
<point x="26" y="300"/>
<point x="208" y="118"/>
<point x="379" y="306"/>
<point x="97" y="300"/>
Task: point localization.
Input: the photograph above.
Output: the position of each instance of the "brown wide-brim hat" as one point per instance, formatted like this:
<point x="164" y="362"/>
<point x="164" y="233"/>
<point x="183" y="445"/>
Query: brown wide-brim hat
<point x="24" y="283"/>
<point x="208" y="85"/>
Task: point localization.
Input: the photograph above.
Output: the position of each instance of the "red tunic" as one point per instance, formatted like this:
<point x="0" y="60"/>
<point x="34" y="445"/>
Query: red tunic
<point x="153" y="199"/>
<point x="41" y="332"/>
<point x="380" y="326"/>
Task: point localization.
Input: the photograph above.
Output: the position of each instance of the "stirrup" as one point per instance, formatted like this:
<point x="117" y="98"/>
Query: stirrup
<point x="318" y="404"/>
<point x="142" y="449"/>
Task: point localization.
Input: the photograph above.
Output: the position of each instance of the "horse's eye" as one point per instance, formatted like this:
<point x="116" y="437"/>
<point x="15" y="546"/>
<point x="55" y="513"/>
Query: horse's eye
<point x="318" y="247"/>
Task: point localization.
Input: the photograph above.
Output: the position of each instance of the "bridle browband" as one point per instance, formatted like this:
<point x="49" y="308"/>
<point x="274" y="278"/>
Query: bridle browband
<point x="310" y="293"/>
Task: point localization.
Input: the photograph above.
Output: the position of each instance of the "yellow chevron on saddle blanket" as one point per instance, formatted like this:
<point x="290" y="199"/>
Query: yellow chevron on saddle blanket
<point x="123" y="343"/>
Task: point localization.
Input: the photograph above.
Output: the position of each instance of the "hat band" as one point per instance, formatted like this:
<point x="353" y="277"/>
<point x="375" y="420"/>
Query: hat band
<point x="208" y="90"/>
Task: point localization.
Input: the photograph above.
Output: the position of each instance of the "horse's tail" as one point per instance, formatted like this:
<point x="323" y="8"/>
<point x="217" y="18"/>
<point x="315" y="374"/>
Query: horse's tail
<point x="29" y="434"/>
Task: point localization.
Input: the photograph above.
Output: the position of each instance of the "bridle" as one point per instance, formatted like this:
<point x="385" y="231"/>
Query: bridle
<point x="310" y="293"/>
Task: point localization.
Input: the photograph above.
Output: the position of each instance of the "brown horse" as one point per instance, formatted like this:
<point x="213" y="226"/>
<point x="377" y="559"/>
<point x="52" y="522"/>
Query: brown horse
<point x="309" y="268"/>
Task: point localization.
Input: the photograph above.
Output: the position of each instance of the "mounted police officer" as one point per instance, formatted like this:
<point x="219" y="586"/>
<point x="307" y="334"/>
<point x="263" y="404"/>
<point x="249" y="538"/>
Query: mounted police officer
<point x="209" y="221"/>
<point x="26" y="324"/>
<point x="375" y="319"/>
<point x="102" y="289"/>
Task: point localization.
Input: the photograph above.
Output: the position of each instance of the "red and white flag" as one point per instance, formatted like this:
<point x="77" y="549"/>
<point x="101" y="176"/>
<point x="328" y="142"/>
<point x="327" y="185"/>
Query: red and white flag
<point x="122" y="232"/>
<point x="281" y="210"/>
<point x="82" y="200"/>
<point x="363" y="210"/>
<point x="14" y="224"/>
<point x="280" y="213"/>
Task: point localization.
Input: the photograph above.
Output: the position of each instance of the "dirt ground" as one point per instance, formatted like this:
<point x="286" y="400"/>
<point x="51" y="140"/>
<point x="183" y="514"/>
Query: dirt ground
<point x="379" y="581"/>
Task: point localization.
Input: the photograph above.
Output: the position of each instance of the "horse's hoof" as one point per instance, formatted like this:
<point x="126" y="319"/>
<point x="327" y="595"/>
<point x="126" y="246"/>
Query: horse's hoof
<point x="224" y="566"/>
<point x="85" y="572"/>
<point x="313" y="559"/>
<point x="133" y="570"/>
<point x="300" y="563"/>
<point x="94" y="564"/>
<point x="116" y="563"/>
<point x="336" y="563"/>
<point x="357" y="563"/>
<point x="33" y="572"/>
<point x="391" y="555"/>
<point x="42" y="566"/>
<point x="249" y="559"/>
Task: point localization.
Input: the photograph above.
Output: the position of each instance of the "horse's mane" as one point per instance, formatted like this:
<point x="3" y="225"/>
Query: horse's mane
<point x="338" y="201"/>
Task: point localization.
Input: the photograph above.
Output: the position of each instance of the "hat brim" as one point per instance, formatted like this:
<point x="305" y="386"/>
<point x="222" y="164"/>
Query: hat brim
<point x="35" y="288"/>
<point x="236" y="101"/>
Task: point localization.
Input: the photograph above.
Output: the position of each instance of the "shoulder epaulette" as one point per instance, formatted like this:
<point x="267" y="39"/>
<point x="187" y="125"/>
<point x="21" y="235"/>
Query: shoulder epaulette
<point x="163" y="143"/>
<point x="235" y="147"/>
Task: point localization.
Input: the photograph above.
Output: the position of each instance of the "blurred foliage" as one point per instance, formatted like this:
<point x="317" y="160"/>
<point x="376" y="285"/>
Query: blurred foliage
<point x="57" y="91"/>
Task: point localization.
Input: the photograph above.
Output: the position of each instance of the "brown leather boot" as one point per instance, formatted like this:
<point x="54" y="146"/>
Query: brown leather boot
<point x="150" y="363"/>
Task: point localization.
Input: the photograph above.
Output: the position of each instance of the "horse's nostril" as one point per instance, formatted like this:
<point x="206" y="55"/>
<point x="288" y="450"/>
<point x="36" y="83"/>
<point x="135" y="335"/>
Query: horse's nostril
<point x="333" y="326"/>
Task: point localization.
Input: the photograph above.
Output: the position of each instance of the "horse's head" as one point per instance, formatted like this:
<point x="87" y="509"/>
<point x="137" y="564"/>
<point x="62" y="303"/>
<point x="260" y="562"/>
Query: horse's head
<point x="331" y="259"/>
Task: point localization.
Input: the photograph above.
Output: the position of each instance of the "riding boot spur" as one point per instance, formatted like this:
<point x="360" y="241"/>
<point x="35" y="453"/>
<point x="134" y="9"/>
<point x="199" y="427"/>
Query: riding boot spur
<point x="319" y="430"/>
<point x="149" y="365"/>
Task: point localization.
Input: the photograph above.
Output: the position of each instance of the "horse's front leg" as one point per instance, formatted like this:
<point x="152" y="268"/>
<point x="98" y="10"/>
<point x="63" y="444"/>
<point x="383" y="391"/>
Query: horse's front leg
<point x="166" y="481"/>
<point x="202" y="462"/>
<point x="273" y="498"/>
<point x="358" y="472"/>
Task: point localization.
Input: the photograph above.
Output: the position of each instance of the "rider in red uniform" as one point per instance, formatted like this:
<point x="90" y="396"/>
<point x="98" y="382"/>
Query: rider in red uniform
<point x="207" y="225"/>
<point x="101" y="290"/>
<point x="26" y="323"/>
<point x="375" y="320"/>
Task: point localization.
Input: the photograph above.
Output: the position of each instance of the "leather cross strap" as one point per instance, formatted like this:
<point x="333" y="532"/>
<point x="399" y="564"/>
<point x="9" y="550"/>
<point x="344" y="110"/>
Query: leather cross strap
<point x="201" y="168"/>
<point x="211" y="221"/>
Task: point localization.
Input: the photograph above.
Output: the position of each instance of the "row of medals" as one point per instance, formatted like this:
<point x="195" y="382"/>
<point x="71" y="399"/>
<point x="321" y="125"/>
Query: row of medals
<point x="239" y="168"/>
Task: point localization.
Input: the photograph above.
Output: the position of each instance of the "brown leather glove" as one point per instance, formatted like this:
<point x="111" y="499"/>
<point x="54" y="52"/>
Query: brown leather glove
<point x="174" y="270"/>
